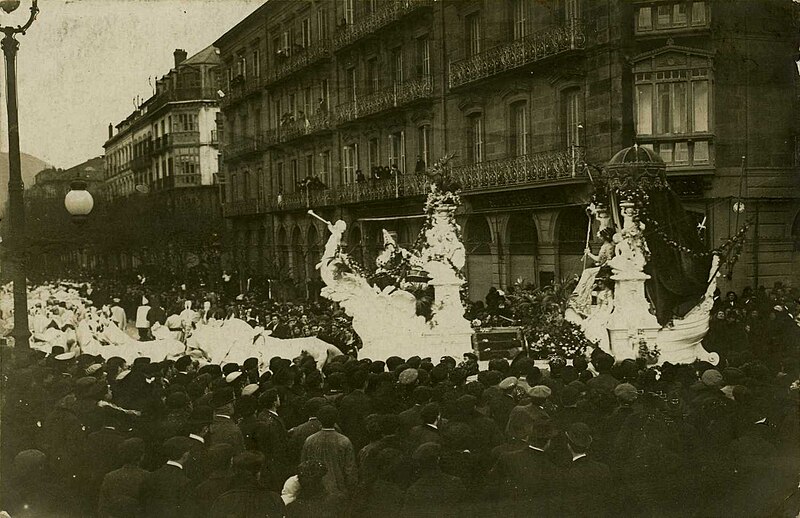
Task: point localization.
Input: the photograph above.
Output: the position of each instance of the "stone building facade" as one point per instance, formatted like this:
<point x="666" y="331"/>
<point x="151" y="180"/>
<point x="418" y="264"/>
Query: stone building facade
<point x="530" y="97"/>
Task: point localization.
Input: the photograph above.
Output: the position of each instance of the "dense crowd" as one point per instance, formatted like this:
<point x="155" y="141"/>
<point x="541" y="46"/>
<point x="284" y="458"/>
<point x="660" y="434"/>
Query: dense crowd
<point x="89" y="435"/>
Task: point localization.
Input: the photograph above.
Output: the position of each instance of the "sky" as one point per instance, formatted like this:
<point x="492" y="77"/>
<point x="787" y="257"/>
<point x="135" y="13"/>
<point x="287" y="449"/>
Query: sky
<point x="83" y="62"/>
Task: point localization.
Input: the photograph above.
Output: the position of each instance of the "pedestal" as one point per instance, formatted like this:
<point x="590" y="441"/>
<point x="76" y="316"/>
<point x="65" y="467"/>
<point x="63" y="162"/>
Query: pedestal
<point x="631" y="320"/>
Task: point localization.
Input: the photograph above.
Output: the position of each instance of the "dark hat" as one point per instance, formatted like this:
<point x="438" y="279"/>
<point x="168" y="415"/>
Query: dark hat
<point x="183" y="362"/>
<point x="490" y="378"/>
<point x="392" y="362"/>
<point x="248" y="462"/>
<point x="177" y="400"/>
<point x="569" y="396"/>
<point x="313" y="405"/>
<point x="175" y="447"/>
<point x="499" y="364"/>
<point x="222" y="396"/>
<point x="250" y="364"/>
<point x="427" y="453"/>
<point x="422" y="394"/>
<point x="140" y="362"/>
<point x="377" y="366"/>
<point x="201" y="414"/>
<point x="579" y="435"/>
<point x="229" y="368"/>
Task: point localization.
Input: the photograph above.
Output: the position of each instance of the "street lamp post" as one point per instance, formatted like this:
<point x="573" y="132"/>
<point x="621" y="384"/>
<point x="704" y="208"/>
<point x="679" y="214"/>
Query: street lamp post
<point x="16" y="207"/>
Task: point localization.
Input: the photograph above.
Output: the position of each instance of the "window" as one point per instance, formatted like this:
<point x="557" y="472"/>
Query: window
<point x="698" y="13"/>
<point x="372" y="75"/>
<point x="322" y="24"/>
<point x="256" y="64"/>
<point x="305" y="32"/>
<point x="644" y="19"/>
<point x="348" y="11"/>
<point x="571" y="10"/>
<point x="424" y="144"/>
<point x="350" y="78"/>
<point x="680" y="17"/>
<point x="520" y="18"/>
<point x="519" y="129"/>
<point x="324" y="175"/>
<point x="672" y="102"/>
<point x="349" y="162"/>
<point x="374" y="154"/>
<point x="475" y="138"/>
<point x="295" y="175"/>
<point x="423" y="57"/>
<point x="280" y="176"/>
<point x="397" y="65"/>
<point x="473" y="34"/>
<point x="397" y="150"/>
<point x="324" y="94"/>
<point x="572" y="116"/>
<point x="663" y="16"/>
<point x="310" y="165"/>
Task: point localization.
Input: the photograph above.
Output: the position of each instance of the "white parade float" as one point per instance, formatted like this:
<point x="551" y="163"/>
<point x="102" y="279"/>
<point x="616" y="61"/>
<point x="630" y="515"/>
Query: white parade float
<point x="618" y="302"/>
<point x="386" y="319"/>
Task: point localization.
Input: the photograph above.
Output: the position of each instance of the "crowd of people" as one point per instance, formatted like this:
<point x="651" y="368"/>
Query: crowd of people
<point x="88" y="435"/>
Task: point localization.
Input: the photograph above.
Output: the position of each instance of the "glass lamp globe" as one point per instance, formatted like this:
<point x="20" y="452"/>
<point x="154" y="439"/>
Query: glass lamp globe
<point x="78" y="201"/>
<point x="9" y="6"/>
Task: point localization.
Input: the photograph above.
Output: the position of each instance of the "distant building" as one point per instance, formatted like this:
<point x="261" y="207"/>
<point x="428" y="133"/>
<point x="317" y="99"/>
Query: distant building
<point x="161" y="167"/>
<point x="524" y="92"/>
<point x="54" y="183"/>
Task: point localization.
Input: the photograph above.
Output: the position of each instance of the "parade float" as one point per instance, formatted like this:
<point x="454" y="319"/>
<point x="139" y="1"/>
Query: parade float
<point x="385" y="314"/>
<point x="651" y="291"/>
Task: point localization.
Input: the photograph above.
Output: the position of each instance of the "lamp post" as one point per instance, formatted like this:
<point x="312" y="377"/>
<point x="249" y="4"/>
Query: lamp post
<point x="16" y="206"/>
<point x="78" y="201"/>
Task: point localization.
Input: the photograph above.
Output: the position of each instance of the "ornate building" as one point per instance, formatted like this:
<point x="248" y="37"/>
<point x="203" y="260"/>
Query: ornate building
<point x="323" y="98"/>
<point x="161" y="168"/>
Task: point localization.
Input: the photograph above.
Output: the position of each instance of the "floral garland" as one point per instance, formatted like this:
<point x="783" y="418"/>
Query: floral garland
<point x="724" y="250"/>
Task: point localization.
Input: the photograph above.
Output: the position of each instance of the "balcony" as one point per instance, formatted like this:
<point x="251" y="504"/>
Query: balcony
<point x="518" y="53"/>
<point x="386" y="99"/>
<point x="526" y="170"/>
<point x="246" y="207"/>
<point x="183" y="94"/>
<point x="184" y="138"/>
<point x="300" y="60"/>
<point x="240" y="89"/>
<point x="243" y="147"/>
<point x="390" y="12"/>
<point x="140" y="162"/>
<point x="299" y="128"/>
<point x="538" y="169"/>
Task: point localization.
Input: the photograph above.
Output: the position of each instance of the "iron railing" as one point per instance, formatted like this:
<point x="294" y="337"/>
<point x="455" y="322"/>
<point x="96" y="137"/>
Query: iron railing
<point x="244" y="207"/>
<point x="301" y="59"/>
<point x="390" y="12"/>
<point x="183" y="94"/>
<point x="241" y="88"/>
<point x="299" y="128"/>
<point x="524" y="51"/>
<point x="385" y="99"/>
<point x="527" y="170"/>
<point x="243" y="147"/>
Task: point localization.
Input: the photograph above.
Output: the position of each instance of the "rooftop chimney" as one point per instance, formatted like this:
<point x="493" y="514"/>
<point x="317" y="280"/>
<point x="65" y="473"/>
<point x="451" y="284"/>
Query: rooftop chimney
<point x="110" y="130"/>
<point x="180" y="56"/>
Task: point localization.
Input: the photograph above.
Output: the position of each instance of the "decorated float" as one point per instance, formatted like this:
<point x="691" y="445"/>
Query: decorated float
<point x="651" y="290"/>
<point x="384" y="305"/>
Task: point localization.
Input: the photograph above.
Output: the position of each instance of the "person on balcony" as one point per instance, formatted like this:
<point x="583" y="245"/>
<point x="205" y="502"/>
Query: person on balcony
<point x="376" y="173"/>
<point x="420" y="165"/>
<point x="360" y="178"/>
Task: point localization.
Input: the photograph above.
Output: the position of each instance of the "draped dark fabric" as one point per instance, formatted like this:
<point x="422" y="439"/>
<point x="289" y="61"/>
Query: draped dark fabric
<point x="678" y="279"/>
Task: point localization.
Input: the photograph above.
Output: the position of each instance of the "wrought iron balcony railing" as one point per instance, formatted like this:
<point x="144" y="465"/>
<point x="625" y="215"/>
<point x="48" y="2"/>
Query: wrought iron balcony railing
<point x="385" y="99"/>
<point x="183" y="94"/>
<point x="243" y="147"/>
<point x="300" y="59"/>
<point x="241" y="88"/>
<point x="531" y="169"/>
<point x="518" y="53"/>
<point x="527" y="170"/>
<point x="389" y="12"/>
<point x="299" y="128"/>
<point x="244" y="207"/>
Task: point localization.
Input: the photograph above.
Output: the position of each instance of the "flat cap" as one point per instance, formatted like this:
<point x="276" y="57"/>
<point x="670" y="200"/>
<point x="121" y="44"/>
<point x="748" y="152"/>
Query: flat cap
<point x="626" y="392"/>
<point x="408" y="376"/>
<point x="712" y="378"/>
<point x="508" y="383"/>
<point x="540" y="392"/>
<point x="250" y="389"/>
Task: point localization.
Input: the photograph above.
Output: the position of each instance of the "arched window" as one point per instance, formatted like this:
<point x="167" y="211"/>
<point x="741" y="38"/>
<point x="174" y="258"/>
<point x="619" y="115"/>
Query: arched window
<point x="521" y="234"/>
<point x="572" y="225"/>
